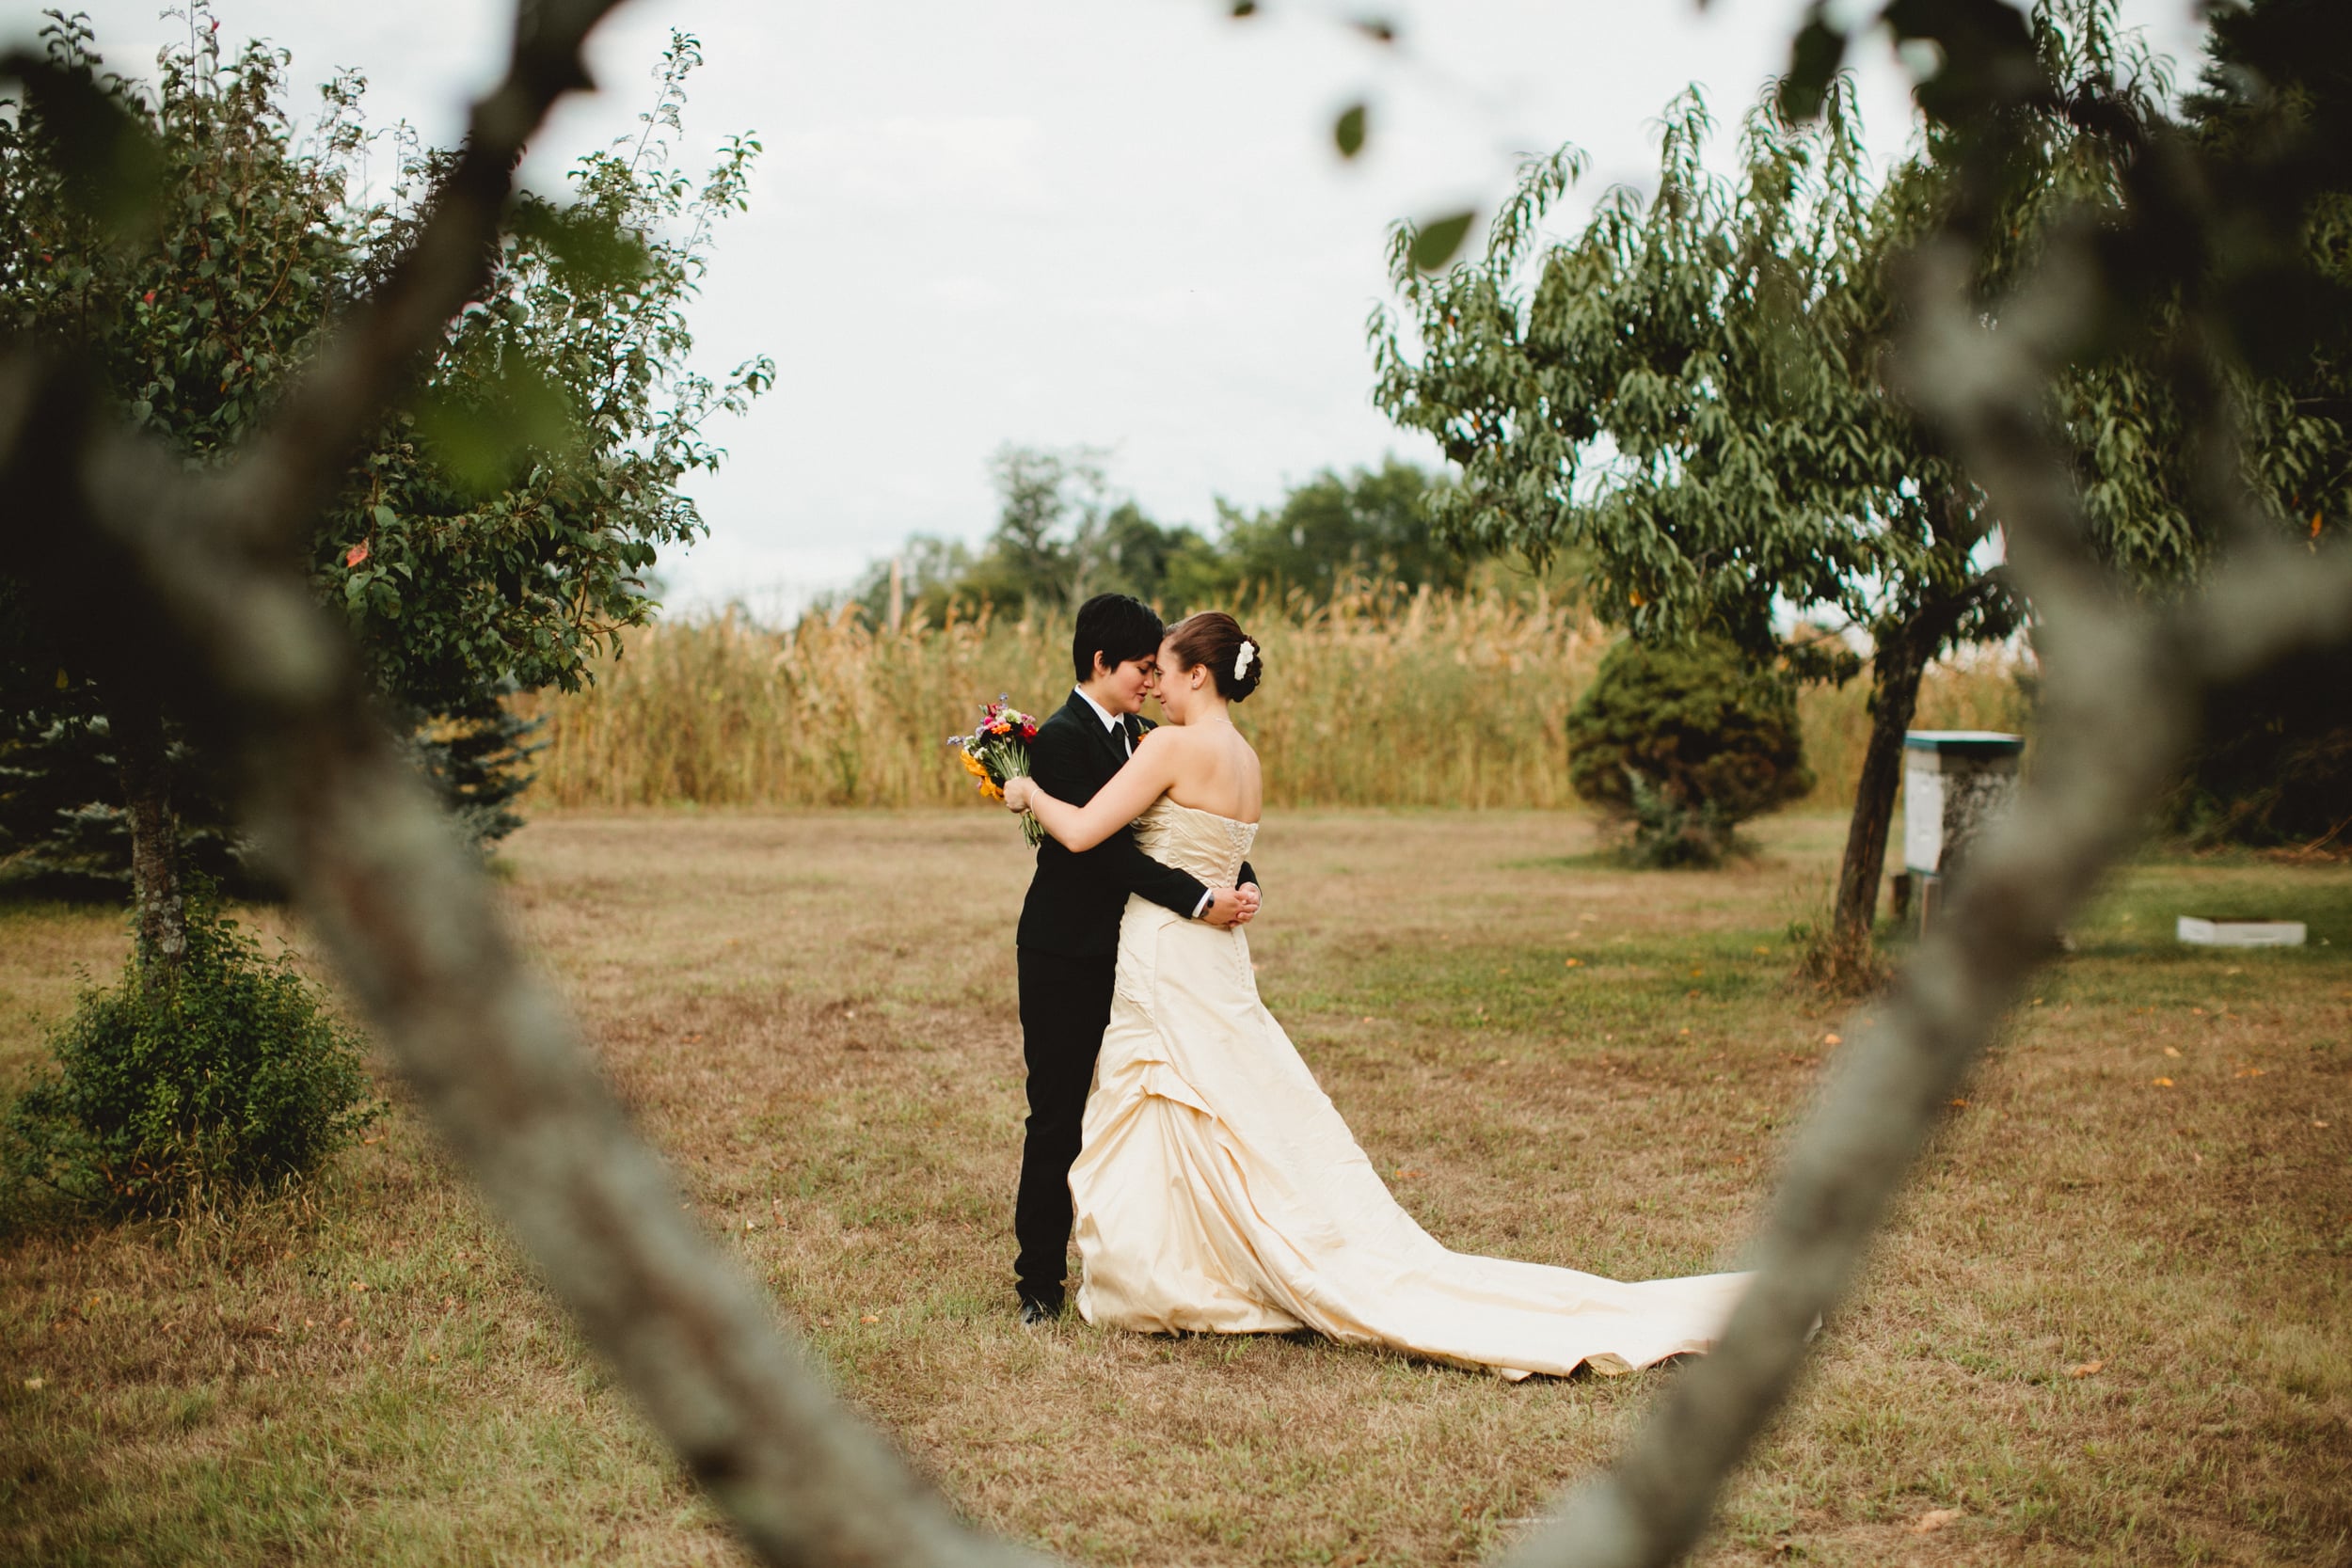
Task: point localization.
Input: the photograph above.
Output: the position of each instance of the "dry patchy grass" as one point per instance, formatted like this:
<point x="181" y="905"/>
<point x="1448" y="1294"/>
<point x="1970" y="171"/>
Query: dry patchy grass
<point x="813" y="1016"/>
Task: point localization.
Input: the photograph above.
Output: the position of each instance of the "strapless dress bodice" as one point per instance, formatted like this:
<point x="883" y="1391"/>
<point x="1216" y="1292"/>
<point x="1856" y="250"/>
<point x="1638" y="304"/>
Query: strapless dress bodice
<point x="1212" y="847"/>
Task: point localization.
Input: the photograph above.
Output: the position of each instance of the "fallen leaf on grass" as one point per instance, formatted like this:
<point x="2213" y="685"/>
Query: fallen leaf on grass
<point x="1833" y="1040"/>
<point x="1933" y="1519"/>
<point x="35" y="1384"/>
<point x="346" y="1323"/>
<point x="2087" y="1369"/>
<point x="870" y="1318"/>
<point x="2172" y="1049"/>
<point x="2161" y="1083"/>
<point x="1960" y="1105"/>
<point x="2250" y="1073"/>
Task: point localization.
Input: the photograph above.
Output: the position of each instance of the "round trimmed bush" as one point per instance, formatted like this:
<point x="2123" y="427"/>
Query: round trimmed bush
<point x="1683" y="744"/>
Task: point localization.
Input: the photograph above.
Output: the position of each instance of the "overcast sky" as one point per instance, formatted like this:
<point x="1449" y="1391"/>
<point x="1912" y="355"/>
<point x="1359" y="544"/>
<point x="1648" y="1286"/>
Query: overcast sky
<point x="1117" y="224"/>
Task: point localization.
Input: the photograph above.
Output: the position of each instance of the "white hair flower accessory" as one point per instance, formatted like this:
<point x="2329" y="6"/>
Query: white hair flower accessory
<point x="1241" y="659"/>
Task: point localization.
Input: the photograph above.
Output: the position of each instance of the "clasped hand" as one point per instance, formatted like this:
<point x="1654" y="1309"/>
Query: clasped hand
<point x="1227" y="906"/>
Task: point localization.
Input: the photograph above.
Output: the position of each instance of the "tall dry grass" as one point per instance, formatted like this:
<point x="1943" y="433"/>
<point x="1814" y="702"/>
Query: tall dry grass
<point x="1978" y="690"/>
<point x="1379" y="698"/>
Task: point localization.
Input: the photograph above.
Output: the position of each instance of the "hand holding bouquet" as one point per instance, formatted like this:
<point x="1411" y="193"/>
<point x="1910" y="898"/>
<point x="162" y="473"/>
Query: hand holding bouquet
<point x="997" y="751"/>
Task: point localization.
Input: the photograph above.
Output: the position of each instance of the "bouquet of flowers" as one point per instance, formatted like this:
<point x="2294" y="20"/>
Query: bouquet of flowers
<point x="997" y="751"/>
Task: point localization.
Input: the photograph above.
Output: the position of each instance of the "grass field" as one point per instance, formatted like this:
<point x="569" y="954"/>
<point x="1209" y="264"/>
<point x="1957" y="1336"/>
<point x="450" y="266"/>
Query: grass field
<point x="2110" y="1324"/>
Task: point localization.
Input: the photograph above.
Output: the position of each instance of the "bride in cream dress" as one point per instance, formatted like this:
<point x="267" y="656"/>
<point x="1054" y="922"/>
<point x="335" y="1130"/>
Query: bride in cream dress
<point x="1217" y="1190"/>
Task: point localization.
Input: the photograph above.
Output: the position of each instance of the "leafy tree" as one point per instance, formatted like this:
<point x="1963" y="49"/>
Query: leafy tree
<point x="1689" y="392"/>
<point x="491" y="536"/>
<point x="1060" y="537"/>
<point x="2276" y="765"/>
<point x="1333" y="527"/>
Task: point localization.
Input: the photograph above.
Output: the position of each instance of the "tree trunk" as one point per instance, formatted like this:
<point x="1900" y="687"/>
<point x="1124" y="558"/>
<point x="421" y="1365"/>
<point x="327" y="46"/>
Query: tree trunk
<point x="143" y="758"/>
<point x="1896" y="670"/>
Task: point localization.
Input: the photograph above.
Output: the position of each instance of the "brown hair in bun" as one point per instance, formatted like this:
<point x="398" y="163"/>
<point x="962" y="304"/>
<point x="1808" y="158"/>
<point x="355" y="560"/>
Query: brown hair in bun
<point x="1215" y="639"/>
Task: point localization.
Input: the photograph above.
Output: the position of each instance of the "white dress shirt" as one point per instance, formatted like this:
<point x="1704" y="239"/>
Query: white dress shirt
<point x="1112" y="721"/>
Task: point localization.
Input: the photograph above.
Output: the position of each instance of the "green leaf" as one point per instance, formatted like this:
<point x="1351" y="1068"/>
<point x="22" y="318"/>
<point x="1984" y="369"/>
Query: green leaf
<point x="1436" y="242"/>
<point x="112" y="166"/>
<point x="1347" y="131"/>
<point x="1987" y="47"/>
<point x="595" y="250"/>
<point x="1818" y="50"/>
<point x="483" y="433"/>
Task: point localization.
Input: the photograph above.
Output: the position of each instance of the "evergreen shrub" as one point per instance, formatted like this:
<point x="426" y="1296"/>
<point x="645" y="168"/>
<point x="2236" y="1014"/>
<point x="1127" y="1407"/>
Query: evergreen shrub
<point x="1684" y="743"/>
<point x="172" y="1089"/>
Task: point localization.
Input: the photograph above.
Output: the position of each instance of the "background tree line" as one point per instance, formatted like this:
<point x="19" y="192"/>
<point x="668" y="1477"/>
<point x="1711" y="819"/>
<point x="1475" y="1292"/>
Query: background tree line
<point x="1064" y="533"/>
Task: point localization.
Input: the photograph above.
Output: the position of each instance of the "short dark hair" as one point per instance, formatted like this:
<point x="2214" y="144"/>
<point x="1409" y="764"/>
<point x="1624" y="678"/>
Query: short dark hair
<point x="1118" y="626"/>
<point x="1215" y="639"/>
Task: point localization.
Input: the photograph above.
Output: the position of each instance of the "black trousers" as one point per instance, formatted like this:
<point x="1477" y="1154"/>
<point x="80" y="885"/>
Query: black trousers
<point x="1065" y="1003"/>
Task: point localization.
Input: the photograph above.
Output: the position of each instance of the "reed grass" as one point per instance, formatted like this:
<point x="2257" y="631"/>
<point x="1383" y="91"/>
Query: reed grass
<point x="1377" y="698"/>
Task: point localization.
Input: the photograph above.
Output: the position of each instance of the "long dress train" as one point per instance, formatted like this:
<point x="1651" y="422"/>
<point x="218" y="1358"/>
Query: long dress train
<point x="1219" y="1190"/>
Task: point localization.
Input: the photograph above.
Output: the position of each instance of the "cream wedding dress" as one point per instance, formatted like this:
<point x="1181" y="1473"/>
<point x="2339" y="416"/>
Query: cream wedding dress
<point x="1220" y="1191"/>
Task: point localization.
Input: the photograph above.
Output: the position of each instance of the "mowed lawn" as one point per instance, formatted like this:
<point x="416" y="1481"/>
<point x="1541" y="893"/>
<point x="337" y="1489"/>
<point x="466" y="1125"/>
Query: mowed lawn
<point x="2109" y="1324"/>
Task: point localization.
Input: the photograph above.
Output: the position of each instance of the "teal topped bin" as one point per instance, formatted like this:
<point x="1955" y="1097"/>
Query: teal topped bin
<point x="1965" y="743"/>
<point x="1954" y="783"/>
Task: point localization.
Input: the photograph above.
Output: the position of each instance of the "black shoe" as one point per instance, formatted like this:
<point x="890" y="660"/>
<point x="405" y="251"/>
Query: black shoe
<point x="1036" y="1314"/>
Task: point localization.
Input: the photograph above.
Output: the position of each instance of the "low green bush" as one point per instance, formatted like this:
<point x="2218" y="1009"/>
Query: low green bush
<point x="1684" y="743"/>
<point x="173" y="1090"/>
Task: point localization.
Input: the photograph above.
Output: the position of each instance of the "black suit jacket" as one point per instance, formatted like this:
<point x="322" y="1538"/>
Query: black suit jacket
<point x="1075" y="900"/>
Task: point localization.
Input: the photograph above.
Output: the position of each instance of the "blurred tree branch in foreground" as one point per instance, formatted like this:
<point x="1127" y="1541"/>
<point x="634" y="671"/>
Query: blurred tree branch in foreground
<point x="192" y="586"/>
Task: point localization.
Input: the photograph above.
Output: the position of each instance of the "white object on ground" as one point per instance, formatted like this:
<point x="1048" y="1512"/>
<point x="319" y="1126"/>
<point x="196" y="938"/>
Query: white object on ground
<point x="2200" y="932"/>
